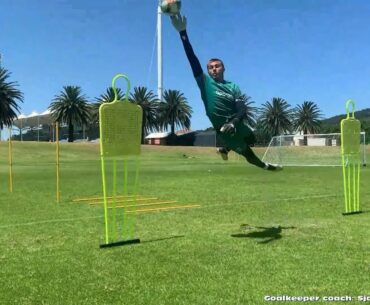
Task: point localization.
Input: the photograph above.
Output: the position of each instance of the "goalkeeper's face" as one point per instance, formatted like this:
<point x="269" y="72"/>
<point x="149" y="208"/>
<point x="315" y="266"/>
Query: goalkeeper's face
<point x="216" y="70"/>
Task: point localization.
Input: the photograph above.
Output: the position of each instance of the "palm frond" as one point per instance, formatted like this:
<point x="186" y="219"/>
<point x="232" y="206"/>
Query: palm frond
<point x="10" y="97"/>
<point x="307" y="117"/>
<point x="71" y="107"/>
<point x="148" y="101"/>
<point x="275" y="117"/>
<point x="174" y="111"/>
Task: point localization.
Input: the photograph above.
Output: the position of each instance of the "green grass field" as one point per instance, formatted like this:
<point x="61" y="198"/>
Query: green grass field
<point x="256" y="233"/>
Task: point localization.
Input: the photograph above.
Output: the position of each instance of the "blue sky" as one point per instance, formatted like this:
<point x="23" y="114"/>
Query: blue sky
<point x="299" y="50"/>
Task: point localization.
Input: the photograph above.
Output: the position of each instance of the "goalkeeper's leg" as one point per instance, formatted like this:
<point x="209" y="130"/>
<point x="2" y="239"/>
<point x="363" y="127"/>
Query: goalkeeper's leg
<point x="253" y="159"/>
<point x="223" y="151"/>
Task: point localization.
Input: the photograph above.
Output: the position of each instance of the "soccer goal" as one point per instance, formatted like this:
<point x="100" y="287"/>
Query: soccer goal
<point x="308" y="150"/>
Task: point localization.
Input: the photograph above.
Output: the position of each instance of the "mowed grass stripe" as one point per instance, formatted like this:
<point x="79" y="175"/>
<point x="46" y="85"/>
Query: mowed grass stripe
<point x="298" y="242"/>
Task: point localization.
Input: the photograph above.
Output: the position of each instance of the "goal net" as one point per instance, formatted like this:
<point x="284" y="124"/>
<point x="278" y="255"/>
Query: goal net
<point x="308" y="150"/>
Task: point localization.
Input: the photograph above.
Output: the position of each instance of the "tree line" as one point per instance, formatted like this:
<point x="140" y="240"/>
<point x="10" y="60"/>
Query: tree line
<point x="73" y="108"/>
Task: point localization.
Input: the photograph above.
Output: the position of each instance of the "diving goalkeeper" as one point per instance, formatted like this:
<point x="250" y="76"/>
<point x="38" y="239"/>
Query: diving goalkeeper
<point x="222" y="102"/>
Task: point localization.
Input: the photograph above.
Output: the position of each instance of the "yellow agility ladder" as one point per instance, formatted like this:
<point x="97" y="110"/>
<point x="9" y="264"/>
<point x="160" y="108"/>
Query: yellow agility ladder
<point x="350" y="149"/>
<point x="120" y="138"/>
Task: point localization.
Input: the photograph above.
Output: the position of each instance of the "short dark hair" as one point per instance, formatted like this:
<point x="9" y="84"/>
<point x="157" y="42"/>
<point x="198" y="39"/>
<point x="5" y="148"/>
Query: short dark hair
<point x="216" y="59"/>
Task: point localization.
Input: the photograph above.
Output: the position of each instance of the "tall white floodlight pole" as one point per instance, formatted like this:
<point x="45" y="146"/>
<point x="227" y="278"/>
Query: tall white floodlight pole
<point x="159" y="53"/>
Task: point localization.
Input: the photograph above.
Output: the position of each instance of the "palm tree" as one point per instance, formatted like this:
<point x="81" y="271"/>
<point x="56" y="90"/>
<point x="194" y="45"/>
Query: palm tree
<point x="307" y="118"/>
<point x="148" y="101"/>
<point x="9" y="98"/>
<point x="250" y="112"/>
<point x="106" y="97"/>
<point x="174" y="110"/>
<point x="262" y="137"/>
<point x="275" y="117"/>
<point x="71" y="107"/>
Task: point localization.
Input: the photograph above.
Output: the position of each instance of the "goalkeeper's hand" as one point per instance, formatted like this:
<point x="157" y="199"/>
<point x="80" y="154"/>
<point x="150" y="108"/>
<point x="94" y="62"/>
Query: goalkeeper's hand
<point x="179" y="22"/>
<point x="228" y="128"/>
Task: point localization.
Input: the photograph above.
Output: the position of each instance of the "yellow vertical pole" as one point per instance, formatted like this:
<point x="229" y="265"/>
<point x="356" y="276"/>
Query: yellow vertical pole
<point x="57" y="158"/>
<point x="105" y="196"/>
<point x="114" y="200"/>
<point x="10" y="153"/>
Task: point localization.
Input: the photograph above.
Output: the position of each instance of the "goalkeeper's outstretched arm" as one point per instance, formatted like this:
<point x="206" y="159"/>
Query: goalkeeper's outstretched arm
<point x="241" y="111"/>
<point x="179" y="23"/>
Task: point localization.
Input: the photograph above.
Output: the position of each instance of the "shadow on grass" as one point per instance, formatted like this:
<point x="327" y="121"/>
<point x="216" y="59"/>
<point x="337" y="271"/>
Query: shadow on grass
<point x="356" y="213"/>
<point x="264" y="234"/>
<point x="161" y="239"/>
<point x="136" y="242"/>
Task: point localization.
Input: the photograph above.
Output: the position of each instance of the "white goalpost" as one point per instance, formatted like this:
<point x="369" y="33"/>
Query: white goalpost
<point x="308" y="150"/>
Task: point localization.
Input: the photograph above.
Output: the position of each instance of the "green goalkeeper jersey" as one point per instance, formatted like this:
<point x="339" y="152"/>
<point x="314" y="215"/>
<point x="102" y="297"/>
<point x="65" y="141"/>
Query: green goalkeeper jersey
<point x="219" y="99"/>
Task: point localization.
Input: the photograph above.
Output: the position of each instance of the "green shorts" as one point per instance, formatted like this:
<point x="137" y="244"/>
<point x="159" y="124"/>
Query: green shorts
<point x="243" y="138"/>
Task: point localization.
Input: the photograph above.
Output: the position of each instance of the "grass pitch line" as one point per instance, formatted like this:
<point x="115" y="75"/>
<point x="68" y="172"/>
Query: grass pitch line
<point x="166" y="208"/>
<point x="273" y="200"/>
<point x="33" y="223"/>
<point x="276" y="200"/>
<point x="48" y="221"/>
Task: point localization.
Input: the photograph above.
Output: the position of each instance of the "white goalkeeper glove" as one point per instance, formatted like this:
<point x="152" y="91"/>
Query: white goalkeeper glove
<point x="179" y="22"/>
<point x="228" y="128"/>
